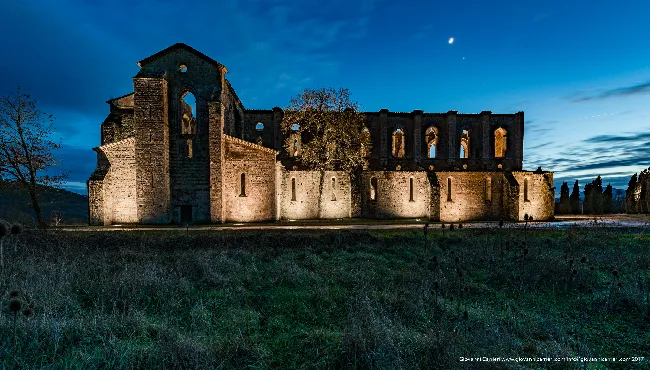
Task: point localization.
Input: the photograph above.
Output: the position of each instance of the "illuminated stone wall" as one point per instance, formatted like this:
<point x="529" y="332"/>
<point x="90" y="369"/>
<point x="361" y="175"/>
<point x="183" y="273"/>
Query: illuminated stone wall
<point x="256" y="201"/>
<point x="393" y="196"/>
<point x="540" y="203"/>
<point x="112" y="186"/>
<point x="335" y="202"/>
<point x="471" y="198"/>
<point x="146" y="174"/>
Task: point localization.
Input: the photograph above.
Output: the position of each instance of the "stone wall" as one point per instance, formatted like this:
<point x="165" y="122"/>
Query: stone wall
<point x="336" y="199"/>
<point x="393" y="196"/>
<point x="111" y="191"/>
<point x="256" y="200"/>
<point x="473" y="195"/>
<point x="540" y="200"/>
<point x="152" y="150"/>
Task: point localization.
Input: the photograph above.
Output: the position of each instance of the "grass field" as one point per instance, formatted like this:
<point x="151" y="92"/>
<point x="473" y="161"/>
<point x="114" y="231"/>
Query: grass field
<point x="325" y="299"/>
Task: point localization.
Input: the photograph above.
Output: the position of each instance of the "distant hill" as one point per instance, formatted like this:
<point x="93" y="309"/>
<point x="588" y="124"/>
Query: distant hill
<point x="16" y="205"/>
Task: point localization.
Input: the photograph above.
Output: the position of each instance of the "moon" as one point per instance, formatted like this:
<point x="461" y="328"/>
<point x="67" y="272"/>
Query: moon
<point x="451" y="40"/>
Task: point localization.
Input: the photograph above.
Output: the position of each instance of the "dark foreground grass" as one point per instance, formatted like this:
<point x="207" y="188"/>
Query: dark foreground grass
<point x="316" y="299"/>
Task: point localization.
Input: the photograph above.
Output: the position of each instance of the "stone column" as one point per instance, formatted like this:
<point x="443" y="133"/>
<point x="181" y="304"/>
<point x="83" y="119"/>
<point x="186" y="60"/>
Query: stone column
<point x="417" y="135"/>
<point x="451" y="139"/>
<point x="151" y="120"/>
<point x="519" y="140"/>
<point x="486" y="134"/>
<point x="383" y="123"/>
<point x="277" y="129"/>
<point x="216" y="112"/>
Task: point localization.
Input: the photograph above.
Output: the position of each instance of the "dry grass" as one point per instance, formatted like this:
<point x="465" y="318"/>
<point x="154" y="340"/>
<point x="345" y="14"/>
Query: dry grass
<point x="317" y="299"/>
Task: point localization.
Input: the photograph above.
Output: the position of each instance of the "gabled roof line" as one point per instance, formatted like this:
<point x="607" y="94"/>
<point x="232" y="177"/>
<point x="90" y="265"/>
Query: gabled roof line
<point x="181" y="45"/>
<point x="252" y="145"/>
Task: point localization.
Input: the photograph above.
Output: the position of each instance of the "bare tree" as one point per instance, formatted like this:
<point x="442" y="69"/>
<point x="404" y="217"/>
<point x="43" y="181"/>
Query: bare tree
<point x="325" y="130"/>
<point x="26" y="148"/>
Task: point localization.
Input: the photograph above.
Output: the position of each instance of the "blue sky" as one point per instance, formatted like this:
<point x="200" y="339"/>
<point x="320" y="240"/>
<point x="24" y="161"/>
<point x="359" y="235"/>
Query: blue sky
<point x="580" y="70"/>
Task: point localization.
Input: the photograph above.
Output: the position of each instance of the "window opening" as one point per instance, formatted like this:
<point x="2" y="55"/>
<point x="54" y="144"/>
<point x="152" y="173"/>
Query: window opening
<point x="242" y="185"/>
<point x="373" y="189"/>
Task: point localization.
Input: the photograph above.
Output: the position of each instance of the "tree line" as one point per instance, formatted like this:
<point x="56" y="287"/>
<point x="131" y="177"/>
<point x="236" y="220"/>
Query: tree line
<point x="596" y="200"/>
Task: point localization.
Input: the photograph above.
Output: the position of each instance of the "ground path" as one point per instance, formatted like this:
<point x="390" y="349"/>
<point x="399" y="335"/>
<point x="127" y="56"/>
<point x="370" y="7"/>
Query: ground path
<point x="560" y="223"/>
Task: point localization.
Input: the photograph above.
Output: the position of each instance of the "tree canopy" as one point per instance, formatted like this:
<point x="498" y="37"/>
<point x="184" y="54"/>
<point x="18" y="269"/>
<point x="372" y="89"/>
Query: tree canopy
<point x="26" y="149"/>
<point x="324" y="129"/>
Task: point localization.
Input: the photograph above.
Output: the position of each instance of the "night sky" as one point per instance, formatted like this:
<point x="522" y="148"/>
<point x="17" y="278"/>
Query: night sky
<point x="580" y="70"/>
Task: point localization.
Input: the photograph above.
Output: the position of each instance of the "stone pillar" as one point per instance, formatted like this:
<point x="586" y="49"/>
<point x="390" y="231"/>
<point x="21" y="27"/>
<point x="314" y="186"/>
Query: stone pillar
<point x="519" y="140"/>
<point x="152" y="149"/>
<point x="216" y="112"/>
<point x="451" y="124"/>
<point x="417" y="135"/>
<point x="277" y="129"/>
<point x="486" y="134"/>
<point x="383" y="127"/>
<point x="434" y="197"/>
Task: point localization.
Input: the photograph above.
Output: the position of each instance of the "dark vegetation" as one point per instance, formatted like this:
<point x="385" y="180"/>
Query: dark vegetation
<point x="597" y="201"/>
<point x="317" y="299"/>
<point x="57" y="205"/>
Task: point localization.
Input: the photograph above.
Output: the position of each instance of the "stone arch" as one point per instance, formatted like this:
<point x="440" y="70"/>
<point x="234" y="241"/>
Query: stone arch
<point x="365" y="133"/>
<point x="431" y="138"/>
<point x="373" y="189"/>
<point x="464" y="144"/>
<point x="187" y="113"/>
<point x="398" y="143"/>
<point x="500" y="142"/>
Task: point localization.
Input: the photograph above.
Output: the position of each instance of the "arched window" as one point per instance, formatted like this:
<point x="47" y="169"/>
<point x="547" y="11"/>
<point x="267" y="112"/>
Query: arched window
<point x="295" y="127"/>
<point x="293" y="189"/>
<point x="296" y="147"/>
<point x="431" y="136"/>
<point x="464" y="144"/>
<point x="188" y="114"/>
<point x="398" y="143"/>
<point x="488" y="189"/>
<point x="526" y="190"/>
<point x="448" y="189"/>
<point x="259" y="126"/>
<point x="242" y="185"/>
<point x="373" y="189"/>
<point x="411" y="190"/>
<point x="333" y="188"/>
<point x="500" y="142"/>
<point x="365" y="138"/>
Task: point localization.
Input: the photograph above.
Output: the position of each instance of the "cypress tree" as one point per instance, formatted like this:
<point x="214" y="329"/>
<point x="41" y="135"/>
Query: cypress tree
<point x="574" y="199"/>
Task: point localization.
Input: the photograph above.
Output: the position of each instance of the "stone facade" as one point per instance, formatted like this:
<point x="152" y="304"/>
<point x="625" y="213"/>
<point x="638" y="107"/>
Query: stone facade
<point x="162" y="161"/>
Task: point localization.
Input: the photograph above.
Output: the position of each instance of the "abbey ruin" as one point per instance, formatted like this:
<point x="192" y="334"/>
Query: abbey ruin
<point x="161" y="161"/>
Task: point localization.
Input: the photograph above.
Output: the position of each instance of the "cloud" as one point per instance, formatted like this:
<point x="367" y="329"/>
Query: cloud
<point x="618" y="138"/>
<point x="642" y="88"/>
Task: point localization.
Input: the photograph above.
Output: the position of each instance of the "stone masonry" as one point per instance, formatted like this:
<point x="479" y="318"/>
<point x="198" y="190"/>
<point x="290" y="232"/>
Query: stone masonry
<point x="162" y="161"/>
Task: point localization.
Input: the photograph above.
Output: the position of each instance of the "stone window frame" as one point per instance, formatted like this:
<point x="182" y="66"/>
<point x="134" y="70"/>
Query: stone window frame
<point x="242" y="184"/>
<point x="364" y="151"/>
<point x="488" y="189"/>
<point x="526" y="185"/>
<point x="411" y="189"/>
<point x="374" y="185"/>
<point x="195" y="114"/>
<point x="464" y="143"/>
<point x="401" y="153"/>
<point x="449" y="189"/>
<point x="333" y="188"/>
<point x="259" y="126"/>
<point x="293" y="189"/>
<point x="501" y="133"/>
<point x="431" y="137"/>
